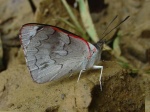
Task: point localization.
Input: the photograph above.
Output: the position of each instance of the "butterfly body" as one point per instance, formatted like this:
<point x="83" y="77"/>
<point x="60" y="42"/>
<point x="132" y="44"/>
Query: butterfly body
<point x="52" y="52"/>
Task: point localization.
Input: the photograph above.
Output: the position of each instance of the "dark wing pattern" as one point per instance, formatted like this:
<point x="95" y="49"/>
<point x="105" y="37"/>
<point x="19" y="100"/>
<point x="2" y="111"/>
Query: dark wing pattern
<point x="51" y="53"/>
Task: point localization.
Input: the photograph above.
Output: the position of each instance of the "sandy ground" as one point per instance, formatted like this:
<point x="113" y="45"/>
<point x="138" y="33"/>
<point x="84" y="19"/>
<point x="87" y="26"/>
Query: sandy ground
<point x="120" y="91"/>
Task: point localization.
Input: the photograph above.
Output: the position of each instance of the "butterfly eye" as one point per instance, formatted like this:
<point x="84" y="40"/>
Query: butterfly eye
<point x="94" y="50"/>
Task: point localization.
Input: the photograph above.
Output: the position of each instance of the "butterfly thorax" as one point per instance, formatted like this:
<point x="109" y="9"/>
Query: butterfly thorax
<point x="93" y="58"/>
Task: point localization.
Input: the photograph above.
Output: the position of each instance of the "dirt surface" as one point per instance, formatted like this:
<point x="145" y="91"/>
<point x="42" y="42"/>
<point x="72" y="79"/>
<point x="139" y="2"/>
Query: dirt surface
<point x="120" y="91"/>
<point x="123" y="91"/>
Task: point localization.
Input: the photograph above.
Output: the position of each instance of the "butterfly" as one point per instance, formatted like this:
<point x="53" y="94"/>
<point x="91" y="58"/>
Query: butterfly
<point x="52" y="52"/>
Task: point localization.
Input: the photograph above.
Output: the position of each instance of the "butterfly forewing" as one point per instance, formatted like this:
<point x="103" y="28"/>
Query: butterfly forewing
<point x="50" y="52"/>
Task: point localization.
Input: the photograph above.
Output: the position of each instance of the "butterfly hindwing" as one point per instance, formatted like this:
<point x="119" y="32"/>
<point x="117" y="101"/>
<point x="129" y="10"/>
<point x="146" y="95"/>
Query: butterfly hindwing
<point x="50" y="52"/>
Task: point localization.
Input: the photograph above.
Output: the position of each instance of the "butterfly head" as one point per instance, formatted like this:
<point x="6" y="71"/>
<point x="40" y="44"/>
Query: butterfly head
<point x="99" y="44"/>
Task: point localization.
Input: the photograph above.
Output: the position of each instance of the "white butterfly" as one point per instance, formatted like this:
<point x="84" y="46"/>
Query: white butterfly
<point x="52" y="52"/>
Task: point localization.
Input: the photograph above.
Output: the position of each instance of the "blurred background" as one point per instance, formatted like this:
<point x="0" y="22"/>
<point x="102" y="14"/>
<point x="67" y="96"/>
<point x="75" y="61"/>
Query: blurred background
<point x="128" y="45"/>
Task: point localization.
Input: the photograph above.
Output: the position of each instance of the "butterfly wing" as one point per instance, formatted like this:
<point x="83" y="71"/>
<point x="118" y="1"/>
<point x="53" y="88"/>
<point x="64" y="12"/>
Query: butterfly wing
<point x="50" y="52"/>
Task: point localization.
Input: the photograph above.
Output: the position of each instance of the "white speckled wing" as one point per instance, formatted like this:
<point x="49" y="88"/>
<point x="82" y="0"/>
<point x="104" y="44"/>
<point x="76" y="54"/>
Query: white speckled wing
<point x="50" y="52"/>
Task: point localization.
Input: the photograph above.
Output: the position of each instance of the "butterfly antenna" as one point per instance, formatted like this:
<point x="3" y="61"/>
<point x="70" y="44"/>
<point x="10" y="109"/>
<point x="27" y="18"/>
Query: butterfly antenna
<point x="109" y="24"/>
<point x="113" y="28"/>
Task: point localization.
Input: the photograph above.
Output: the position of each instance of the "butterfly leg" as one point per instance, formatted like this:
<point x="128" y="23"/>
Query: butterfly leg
<point x="70" y="75"/>
<point x="100" y="77"/>
<point x="80" y="74"/>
